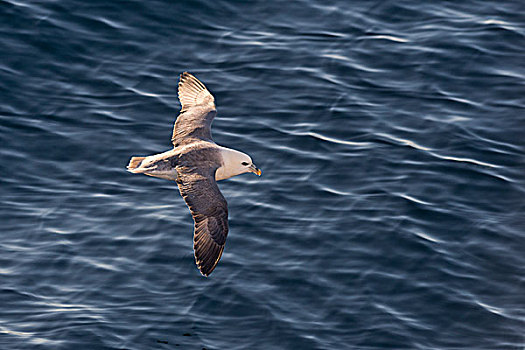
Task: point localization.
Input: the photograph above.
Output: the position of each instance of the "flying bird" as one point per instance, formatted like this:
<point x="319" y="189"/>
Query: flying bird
<point x="196" y="162"/>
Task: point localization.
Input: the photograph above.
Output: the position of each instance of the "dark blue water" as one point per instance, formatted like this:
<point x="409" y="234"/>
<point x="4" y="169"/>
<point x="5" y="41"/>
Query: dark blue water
<point x="390" y="213"/>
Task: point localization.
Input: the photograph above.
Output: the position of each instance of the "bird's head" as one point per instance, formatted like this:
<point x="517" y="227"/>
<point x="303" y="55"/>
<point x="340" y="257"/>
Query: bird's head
<point x="246" y="165"/>
<point x="236" y="163"/>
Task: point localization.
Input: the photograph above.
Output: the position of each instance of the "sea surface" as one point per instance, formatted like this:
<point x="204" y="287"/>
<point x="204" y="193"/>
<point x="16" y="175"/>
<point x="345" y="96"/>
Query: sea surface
<point x="391" y="209"/>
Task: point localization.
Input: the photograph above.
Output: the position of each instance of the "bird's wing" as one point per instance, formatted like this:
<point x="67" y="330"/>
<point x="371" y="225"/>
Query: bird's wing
<point x="210" y="215"/>
<point x="197" y="113"/>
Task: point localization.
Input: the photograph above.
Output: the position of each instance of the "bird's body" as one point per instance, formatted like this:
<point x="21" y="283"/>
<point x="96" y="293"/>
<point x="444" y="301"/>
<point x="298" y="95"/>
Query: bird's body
<point x="196" y="163"/>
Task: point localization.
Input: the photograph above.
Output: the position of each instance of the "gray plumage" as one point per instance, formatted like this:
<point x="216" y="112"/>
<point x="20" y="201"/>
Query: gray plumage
<point x="195" y="163"/>
<point x="197" y="113"/>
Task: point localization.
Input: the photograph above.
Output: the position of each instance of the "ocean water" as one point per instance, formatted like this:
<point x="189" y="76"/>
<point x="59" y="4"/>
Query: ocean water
<point x="390" y="213"/>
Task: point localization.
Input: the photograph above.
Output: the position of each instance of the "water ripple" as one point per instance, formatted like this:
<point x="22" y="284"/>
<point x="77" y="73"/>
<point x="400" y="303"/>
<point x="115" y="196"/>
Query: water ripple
<point x="389" y="214"/>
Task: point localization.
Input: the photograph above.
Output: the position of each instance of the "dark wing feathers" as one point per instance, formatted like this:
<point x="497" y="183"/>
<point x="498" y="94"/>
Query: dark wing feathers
<point x="197" y="113"/>
<point x="197" y="184"/>
<point x="210" y="215"/>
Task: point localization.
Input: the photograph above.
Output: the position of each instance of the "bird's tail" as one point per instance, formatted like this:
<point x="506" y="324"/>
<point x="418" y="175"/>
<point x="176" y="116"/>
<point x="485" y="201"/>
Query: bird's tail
<point x="134" y="163"/>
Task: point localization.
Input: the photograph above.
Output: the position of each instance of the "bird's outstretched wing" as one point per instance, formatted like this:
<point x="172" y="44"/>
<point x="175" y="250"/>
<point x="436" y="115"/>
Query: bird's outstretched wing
<point x="197" y="113"/>
<point x="210" y="215"/>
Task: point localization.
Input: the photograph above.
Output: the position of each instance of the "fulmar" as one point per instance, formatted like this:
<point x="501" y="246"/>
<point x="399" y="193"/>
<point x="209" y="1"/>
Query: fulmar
<point x="196" y="162"/>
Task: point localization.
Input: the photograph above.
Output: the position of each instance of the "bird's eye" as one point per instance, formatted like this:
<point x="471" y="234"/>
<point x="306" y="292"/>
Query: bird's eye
<point x="244" y="163"/>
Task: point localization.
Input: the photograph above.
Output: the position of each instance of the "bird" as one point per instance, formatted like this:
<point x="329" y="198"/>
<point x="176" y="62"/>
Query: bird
<point x="196" y="163"/>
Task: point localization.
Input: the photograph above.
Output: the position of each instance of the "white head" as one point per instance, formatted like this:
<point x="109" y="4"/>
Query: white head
<point x="235" y="163"/>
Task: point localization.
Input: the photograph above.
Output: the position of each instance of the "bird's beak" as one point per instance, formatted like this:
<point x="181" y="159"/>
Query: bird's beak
<point x="255" y="170"/>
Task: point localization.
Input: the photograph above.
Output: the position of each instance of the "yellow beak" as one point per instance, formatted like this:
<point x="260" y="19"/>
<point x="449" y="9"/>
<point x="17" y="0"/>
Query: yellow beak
<point x="255" y="170"/>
